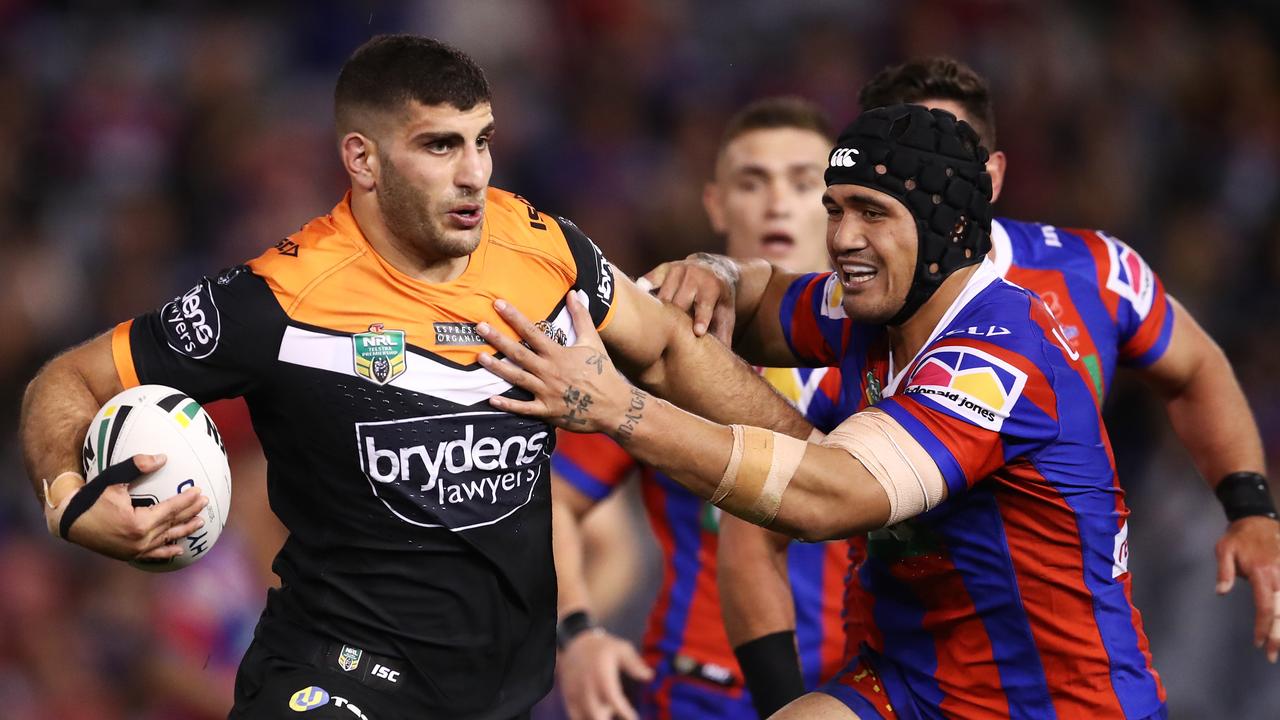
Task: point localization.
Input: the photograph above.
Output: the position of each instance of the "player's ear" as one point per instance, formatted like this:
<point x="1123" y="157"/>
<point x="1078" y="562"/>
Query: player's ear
<point x="360" y="159"/>
<point x="713" y="203"/>
<point x="995" y="168"/>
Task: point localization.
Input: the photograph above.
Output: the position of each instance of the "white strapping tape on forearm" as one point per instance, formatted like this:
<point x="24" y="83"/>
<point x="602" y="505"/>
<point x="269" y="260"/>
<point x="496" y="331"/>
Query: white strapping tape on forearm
<point x="760" y="468"/>
<point x="816" y="436"/>
<point x="730" y="477"/>
<point x="895" y="459"/>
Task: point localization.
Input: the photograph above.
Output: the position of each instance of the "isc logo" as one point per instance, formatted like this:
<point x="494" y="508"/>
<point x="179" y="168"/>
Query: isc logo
<point x="386" y="673"/>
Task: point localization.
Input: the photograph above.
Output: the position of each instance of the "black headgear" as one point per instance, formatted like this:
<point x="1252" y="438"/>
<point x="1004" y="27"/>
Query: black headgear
<point x="935" y="166"/>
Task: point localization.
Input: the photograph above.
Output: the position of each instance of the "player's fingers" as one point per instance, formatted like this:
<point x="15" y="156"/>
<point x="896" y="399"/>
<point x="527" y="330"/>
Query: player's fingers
<point x="635" y="666"/>
<point x="511" y="372"/>
<point x="723" y="319"/>
<point x="703" y="314"/>
<point x="1264" y="598"/>
<point x="537" y="339"/>
<point x="171" y="535"/>
<point x="149" y="463"/>
<point x="512" y="350"/>
<point x="655" y="278"/>
<point x="583" y="325"/>
<point x="161" y="552"/>
<point x="1273" y="637"/>
<point x="671" y="285"/>
<point x="532" y="408"/>
<point x="1226" y="569"/>
<point x="177" y="509"/>
<point x="609" y="684"/>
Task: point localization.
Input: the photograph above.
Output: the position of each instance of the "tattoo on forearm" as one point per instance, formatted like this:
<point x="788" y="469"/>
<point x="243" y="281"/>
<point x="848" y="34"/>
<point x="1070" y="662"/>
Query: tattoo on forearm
<point x="596" y="360"/>
<point x="634" y="414"/>
<point x="579" y="404"/>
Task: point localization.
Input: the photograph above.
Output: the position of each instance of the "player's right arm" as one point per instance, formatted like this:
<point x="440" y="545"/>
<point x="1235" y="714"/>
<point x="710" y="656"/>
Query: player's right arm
<point x="585" y="469"/>
<point x="214" y="341"/>
<point x="759" y="614"/>
<point x="738" y="301"/>
<point x="57" y="407"/>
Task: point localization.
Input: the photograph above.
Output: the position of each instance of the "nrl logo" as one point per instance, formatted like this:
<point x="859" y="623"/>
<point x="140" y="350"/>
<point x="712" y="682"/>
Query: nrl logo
<point x="379" y="354"/>
<point x="349" y="658"/>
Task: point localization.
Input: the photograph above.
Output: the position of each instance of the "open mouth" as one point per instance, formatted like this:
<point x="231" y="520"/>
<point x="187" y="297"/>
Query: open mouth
<point x="855" y="274"/>
<point x="777" y="243"/>
<point x="466" y="215"/>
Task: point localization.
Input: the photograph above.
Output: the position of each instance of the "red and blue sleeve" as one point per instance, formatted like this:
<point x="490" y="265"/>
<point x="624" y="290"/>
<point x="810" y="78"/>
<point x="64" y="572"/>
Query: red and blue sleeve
<point x="1144" y="316"/>
<point x="813" y="319"/>
<point x="594" y="465"/>
<point x="973" y="405"/>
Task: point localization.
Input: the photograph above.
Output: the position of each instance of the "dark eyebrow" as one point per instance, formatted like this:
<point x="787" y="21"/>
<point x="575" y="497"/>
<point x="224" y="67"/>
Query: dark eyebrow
<point x="428" y="137"/>
<point x="858" y="198"/>
<point x="449" y="136"/>
<point x="751" y="171"/>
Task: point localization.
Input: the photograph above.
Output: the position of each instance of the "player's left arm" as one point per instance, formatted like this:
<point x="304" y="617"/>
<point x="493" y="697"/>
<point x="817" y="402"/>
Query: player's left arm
<point x="1211" y="417"/>
<point x="808" y="491"/>
<point x="653" y="343"/>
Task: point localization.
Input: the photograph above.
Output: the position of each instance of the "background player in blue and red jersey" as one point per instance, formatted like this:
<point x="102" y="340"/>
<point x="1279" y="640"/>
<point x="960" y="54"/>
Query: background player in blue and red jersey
<point x="765" y="199"/>
<point x="1113" y="309"/>
<point x="1002" y="588"/>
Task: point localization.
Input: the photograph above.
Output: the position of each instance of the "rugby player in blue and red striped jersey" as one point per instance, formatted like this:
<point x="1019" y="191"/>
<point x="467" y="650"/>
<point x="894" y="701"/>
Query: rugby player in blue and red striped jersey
<point x="983" y="457"/>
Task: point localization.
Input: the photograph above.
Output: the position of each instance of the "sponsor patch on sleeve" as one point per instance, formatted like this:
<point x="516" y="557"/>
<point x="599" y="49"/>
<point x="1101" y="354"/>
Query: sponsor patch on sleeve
<point x="968" y="383"/>
<point x="1129" y="276"/>
<point x="191" y="322"/>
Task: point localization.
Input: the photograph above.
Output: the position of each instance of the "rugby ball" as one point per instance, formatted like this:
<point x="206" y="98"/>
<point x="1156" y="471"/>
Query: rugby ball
<point x="157" y="419"/>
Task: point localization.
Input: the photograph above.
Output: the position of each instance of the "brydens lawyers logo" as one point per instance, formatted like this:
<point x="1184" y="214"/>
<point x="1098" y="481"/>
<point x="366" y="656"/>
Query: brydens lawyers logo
<point x="969" y="383"/>
<point x="379" y="354"/>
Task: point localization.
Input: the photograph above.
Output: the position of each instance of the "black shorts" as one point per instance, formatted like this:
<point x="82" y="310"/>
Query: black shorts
<point x="305" y="682"/>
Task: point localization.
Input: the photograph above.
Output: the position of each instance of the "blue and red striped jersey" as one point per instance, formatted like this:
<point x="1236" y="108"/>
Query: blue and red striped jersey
<point x="686" y="620"/>
<point x="1011" y="598"/>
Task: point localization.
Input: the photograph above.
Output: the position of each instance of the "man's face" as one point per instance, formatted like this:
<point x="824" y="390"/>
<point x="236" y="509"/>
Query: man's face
<point x="433" y="168"/>
<point x="873" y="244"/>
<point x="766" y="197"/>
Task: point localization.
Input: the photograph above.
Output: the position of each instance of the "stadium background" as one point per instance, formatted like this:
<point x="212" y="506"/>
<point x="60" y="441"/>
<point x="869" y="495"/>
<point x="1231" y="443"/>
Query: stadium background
<point x="144" y="143"/>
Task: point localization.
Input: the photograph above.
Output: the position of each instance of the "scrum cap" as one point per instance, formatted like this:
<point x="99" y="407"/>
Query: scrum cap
<point x="935" y="166"/>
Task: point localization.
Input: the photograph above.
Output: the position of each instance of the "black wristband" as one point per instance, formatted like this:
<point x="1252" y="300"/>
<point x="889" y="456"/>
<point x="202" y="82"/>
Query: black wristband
<point x="122" y="472"/>
<point x="771" y="668"/>
<point x="571" y="626"/>
<point x="1245" y="494"/>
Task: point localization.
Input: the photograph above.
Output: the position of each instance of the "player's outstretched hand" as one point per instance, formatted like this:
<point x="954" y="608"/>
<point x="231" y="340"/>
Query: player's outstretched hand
<point x="703" y="285"/>
<point x="105" y="520"/>
<point x="576" y="387"/>
<point x="590" y="669"/>
<point x="1251" y="547"/>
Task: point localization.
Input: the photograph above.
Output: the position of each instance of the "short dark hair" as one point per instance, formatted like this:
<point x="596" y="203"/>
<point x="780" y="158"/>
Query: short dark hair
<point x="940" y="78"/>
<point x="388" y="71"/>
<point x="772" y="113"/>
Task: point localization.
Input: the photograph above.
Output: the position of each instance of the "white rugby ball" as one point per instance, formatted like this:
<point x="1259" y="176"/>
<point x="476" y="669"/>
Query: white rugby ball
<point x="155" y="419"/>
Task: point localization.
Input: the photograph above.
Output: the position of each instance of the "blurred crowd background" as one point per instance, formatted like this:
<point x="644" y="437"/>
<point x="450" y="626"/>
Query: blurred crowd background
<point x="143" y="144"/>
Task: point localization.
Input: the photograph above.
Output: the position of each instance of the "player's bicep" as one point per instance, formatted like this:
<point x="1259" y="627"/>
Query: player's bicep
<point x="94" y="363"/>
<point x="1190" y="348"/>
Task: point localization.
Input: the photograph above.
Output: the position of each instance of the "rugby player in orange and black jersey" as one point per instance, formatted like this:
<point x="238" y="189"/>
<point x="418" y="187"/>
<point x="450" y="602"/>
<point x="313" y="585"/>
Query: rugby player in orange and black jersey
<point x="418" y="578"/>
<point x="418" y="515"/>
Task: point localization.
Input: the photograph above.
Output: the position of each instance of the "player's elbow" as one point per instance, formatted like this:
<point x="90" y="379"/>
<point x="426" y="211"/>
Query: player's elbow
<point x="820" y="522"/>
